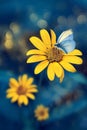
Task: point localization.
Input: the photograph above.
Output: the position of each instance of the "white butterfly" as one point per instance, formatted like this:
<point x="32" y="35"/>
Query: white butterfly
<point x="66" y="42"/>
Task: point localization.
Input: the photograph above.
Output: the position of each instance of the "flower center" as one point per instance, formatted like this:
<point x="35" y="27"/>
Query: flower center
<point x="41" y="113"/>
<point x="55" y="54"/>
<point x="21" y="90"/>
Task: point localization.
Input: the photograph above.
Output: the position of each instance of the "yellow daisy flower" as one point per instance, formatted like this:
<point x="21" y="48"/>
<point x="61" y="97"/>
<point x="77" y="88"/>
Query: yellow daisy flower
<point x="21" y="90"/>
<point x="52" y="57"/>
<point x="41" y="113"/>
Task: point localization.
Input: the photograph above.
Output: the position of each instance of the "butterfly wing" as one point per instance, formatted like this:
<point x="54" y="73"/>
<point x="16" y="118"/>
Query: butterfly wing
<point x="68" y="45"/>
<point x="64" y="35"/>
<point x="66" y="42"/>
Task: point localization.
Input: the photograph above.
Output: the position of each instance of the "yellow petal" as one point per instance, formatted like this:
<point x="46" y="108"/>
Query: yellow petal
<point x="13" y="82"/>
<point x="67" y="66"/>
<point x="33" y="90"/>
<point x="39" y="118"/>
<point x="50" y="72"/>
<point x="38" y="43"/>
<point x="26" y="101"/>
<point x="75" y="52"/>
<point x="35" y="51"/>
<point x="14" y="99"/>
<point x="24" y="79"/>
<point x="41" y="66"/>
<point x="31" y="96"/>
<point x="57" y="69"/>
<point x="29" y="82"/>
<point x="36" y="58"/>
<point x="62" y="77"/>
<point x="22" y="99"/>
<point x="53" y="37"/>
<point x="11" y="90"/>
<point x="45" y="37"/>
<point x="9" y="95"/>
<point x="39" y="107"/>
<point x="72" y="59"/>
<point x="32" y="86"/>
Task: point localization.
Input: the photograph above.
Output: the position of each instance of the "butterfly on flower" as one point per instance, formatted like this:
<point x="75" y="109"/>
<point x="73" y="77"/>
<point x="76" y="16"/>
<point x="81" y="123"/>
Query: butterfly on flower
<point x="66" y="42"/>
<point x="54" y="55"/>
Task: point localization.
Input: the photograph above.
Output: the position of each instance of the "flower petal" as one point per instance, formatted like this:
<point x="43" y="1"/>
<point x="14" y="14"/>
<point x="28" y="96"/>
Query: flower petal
<point x="50" y="72"/>
<point x="45" y="37"/>
<point x="35" y="51"/>
<point x="62" y="77"/>
<point x="31" y="96"/>
<point x="14" y="98"/>
<point x="22" y="99"/>
<point x="9" y="95"/>
<point x="25" y="100"/>
<point x="72" y="59"/>
<point x="24" y="79"/>
<point x="41" y="66"/>
<point x="57" y="69"/>
<point x="38" y="43"/>
<point x="32" y="86"/>
<point x="75" y="52"/>
<point x="67" y="66"/>
<point x="53" y="37"/>
<point x="13" y="82"/>
<point x="11" y="90"/>
<point x="36" y="58"/>
<point x="29" y="81"/>
<point x="33" y="90"/>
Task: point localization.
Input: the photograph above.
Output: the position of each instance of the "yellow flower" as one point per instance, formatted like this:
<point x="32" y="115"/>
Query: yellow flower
<point x="41" y="113"/>
<point x="52" y="57"/>
<point x="21" y="90"/>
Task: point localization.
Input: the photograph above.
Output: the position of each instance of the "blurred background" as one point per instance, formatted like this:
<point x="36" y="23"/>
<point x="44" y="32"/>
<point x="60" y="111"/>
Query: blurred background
<point x="20" y="19"/>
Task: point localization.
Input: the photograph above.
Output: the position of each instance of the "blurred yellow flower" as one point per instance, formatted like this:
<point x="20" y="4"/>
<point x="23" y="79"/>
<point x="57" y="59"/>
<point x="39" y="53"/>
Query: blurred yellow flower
<point x="41" y="113"/>
<point x="52" y="57"/>
<point x="21" y="90"/>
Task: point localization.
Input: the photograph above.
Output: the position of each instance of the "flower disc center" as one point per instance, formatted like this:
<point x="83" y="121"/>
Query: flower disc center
<point x="55" y="54"/>
<point x="21" y="90"/>
<point x="42" y="113"/>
